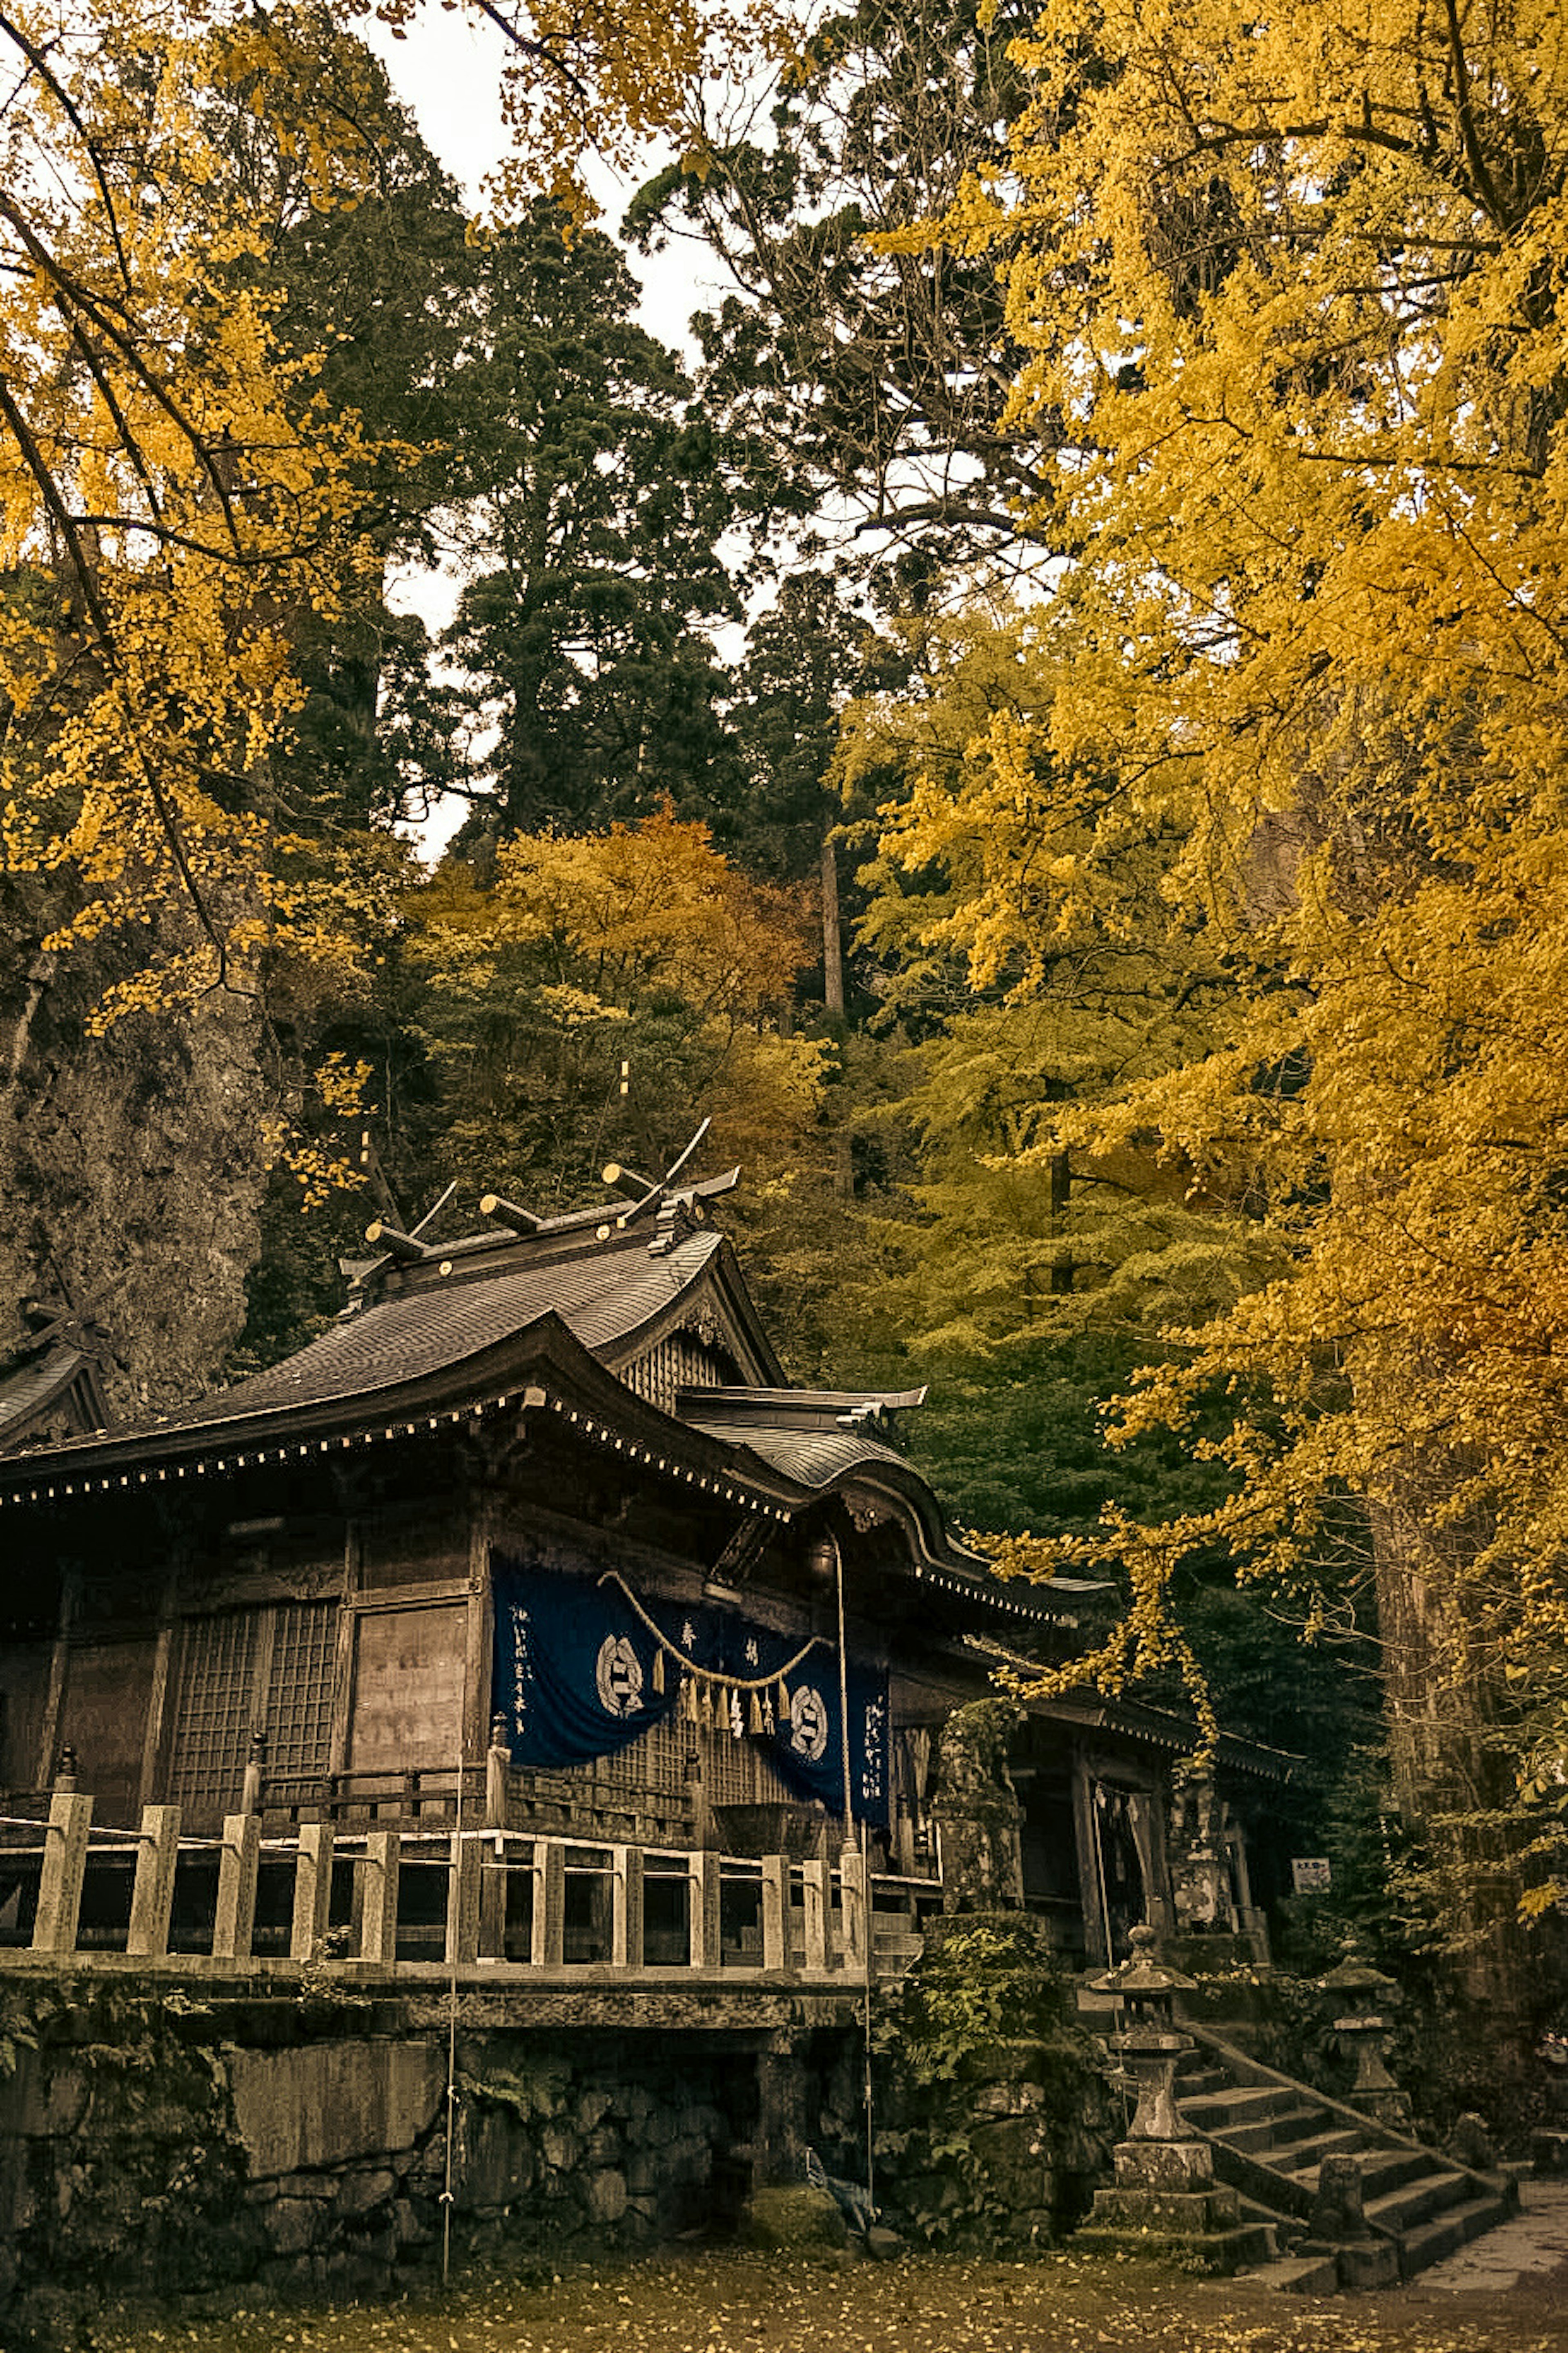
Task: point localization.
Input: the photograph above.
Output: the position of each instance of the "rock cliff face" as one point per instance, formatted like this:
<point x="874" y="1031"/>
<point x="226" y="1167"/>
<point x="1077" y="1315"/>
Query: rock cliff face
<point x="131" y="1180"/>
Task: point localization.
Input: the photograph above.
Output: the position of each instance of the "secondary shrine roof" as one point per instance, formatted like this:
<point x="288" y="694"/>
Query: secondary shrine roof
<point x="606" y="1298"/>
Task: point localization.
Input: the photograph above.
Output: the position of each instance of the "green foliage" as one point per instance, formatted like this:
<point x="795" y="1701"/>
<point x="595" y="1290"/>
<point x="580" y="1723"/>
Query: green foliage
<point x="592" y="505"/>
<point x="982" y="1985"/>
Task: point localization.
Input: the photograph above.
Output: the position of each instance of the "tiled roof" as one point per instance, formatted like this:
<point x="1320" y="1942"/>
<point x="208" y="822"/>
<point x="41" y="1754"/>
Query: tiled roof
<point x="603" y="1297"/>
<point x="26" y="1394"/>
<point x="814" y="1456"/>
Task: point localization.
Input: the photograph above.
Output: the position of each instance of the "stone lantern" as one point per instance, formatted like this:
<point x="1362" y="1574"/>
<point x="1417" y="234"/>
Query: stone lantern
<point x="1365" y="1993"/>
<point x="1165" y="2199"/>
<point x="1149" y="2044"/>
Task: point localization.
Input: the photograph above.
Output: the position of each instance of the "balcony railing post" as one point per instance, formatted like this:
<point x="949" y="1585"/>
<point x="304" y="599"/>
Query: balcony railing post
<point x="463" y="1899"/>
<point x="548" y="1944"/>
<point x="626" y="1907"/>
<point x="312" y="1890"/>
<point x="152" y="1892"/>
<point x="234" y="1924"/>
<point x="65" y="1867"/>
<point x="776" y="1913"/>
<point x="378" y="1876"/>
<point x="253" y="1793"/>
<point x="815" y="1905"/>
<point x="854" y="1907"/>
<point x="498" y="1767"/>
<point x="702" y="1871"/>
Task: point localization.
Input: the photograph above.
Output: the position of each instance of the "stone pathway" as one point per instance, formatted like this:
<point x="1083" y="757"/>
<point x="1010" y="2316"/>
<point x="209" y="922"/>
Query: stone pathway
<point x="1530" y="2251"/>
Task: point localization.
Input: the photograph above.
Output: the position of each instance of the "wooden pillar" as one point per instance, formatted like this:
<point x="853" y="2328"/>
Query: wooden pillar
<point x="312" y="1890"/>
<point x="158" y="1698"/>
<point x="478" y="1634"/>
<point x="59" y="1661"/>
<point x="378" y="1877"/>
<point x="548" y="1947"/>
<point x="463" y="1899"/>
<point x="493" y="1882"/>
<point x="1086" y="1833"/>
<point x="153" y="1895"/>
<point x="854" y="1907"/>
<point x="626" y="1914"/>
<point x="233" y="1923"/>
<point x="779" y="2150"/>
<point x="816" y="1901"/>
<point x="703" y="1876"/>
<point x="498" y="1770"/>
<point x="776" y="1913"/>
<point x="65" y="1868"/>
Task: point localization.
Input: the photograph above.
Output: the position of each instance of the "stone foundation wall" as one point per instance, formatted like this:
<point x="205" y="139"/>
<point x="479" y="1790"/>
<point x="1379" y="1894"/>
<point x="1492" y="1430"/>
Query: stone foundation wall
<point x="301" y="2147"/>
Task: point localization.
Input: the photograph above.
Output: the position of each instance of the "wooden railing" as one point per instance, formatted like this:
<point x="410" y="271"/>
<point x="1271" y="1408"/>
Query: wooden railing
<point x="472" y="1898"/>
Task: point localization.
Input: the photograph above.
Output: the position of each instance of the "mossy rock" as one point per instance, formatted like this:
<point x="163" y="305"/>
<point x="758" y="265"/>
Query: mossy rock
<point x="791" y="2221"/>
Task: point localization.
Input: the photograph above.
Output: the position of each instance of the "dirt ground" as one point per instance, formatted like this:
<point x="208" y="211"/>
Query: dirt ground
<point x="723" y="2302"/>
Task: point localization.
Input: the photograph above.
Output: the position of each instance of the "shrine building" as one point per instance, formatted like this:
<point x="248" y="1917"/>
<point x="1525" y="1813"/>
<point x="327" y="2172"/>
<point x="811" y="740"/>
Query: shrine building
<point x="538" y="1537"/>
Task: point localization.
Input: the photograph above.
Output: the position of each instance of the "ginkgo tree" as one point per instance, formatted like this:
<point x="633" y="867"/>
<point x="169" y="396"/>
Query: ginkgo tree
<point x="575" y="1008"/>
<point x="173" y="499"/>
<point x="1291" y="291"/>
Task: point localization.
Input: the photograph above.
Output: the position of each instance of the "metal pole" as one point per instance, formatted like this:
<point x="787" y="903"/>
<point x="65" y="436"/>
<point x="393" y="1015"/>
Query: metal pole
<point x="843" y="1697"/>
<point x="447" y="2190"/>
<point x="865" y="1858"/>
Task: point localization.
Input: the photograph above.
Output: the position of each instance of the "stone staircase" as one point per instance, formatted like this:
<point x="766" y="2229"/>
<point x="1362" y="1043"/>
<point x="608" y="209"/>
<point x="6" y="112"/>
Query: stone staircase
<point x="1270" y="2136"/>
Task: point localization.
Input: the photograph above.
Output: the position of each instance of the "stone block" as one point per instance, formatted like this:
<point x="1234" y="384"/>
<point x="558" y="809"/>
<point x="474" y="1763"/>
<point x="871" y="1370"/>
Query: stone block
<point x="606" y="2196"/>
<point x="408" y="2229"/>
<point x="1163" y="2165"/>
<point x="321" y="2187"/>
<point x="365" y="2188"/>
<point x="1179" y="2210"/>
<point x="791" y="2221"/>
<point x="291" y="2225"/>
<point x="498" y="2160"/>
<point x="43" y="2098"/>
<point x="1372" y="2263"/>
<point x="329" y="2102"/>
<point x="560" y="2147"/>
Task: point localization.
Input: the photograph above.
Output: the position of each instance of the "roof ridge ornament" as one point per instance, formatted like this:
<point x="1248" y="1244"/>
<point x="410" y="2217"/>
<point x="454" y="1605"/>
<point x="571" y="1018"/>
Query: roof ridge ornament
<point x="659" y="1197"/>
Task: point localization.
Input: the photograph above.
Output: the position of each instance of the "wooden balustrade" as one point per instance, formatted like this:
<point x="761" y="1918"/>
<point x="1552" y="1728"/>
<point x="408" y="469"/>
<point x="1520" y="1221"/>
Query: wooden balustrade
<point x="504" y="1902"/>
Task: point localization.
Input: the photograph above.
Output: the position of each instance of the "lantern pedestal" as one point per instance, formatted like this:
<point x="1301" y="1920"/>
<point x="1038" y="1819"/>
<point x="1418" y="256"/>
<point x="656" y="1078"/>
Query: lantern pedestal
<point x="1165" y="2200"/>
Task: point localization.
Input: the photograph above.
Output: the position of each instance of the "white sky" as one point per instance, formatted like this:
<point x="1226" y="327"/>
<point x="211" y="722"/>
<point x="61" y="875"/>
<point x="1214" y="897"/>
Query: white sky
<point x="447" y="73"/>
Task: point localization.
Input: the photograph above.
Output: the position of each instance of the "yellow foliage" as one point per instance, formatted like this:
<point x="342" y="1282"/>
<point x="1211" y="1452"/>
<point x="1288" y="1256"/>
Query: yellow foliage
<point x="171" y="498"/>
<point x="612" y="79"/>
<point x="1292" y="290"/>
<point x="641" y="945"/>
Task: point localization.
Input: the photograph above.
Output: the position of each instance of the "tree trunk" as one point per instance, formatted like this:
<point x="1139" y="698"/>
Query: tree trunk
<point x="832" y="936"/>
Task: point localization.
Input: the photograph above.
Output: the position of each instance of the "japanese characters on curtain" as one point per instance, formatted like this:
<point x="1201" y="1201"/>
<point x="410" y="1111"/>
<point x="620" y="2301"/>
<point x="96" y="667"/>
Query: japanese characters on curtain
<point x="579" y="1674"/>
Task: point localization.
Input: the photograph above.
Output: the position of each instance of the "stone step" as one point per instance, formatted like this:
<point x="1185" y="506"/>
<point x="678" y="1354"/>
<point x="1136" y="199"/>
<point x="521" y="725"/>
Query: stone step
<point x="1300" y="2275"/>
<point x="1382" y="2169"/>
<point x="1241" y="2103"/>
<point x="1219" y="2252"/>
<point x="1404" y="2210"/>
<point x="1287" y="2132"/>
<point x="1429" y="2242"/>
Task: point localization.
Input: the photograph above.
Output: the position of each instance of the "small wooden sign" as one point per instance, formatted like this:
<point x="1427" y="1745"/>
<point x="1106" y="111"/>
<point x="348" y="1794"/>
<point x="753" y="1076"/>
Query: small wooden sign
<point x="1313" y="1873"/>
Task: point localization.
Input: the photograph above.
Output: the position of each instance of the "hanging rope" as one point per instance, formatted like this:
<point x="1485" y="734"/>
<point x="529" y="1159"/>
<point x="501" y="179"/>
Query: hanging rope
<point x="709" y="1674"/>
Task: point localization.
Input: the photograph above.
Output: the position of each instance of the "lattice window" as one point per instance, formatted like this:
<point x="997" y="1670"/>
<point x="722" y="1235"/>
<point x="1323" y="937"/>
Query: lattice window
<point x="271" y="1670"/>
<point x="741" y="1772"/>
<point x="655" y="1764"/>
<point x="680" y="1362"/>
<point x="300" y="1688"/>
<point x="215" y="1717"/>
<point x="734" y="1772"/>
